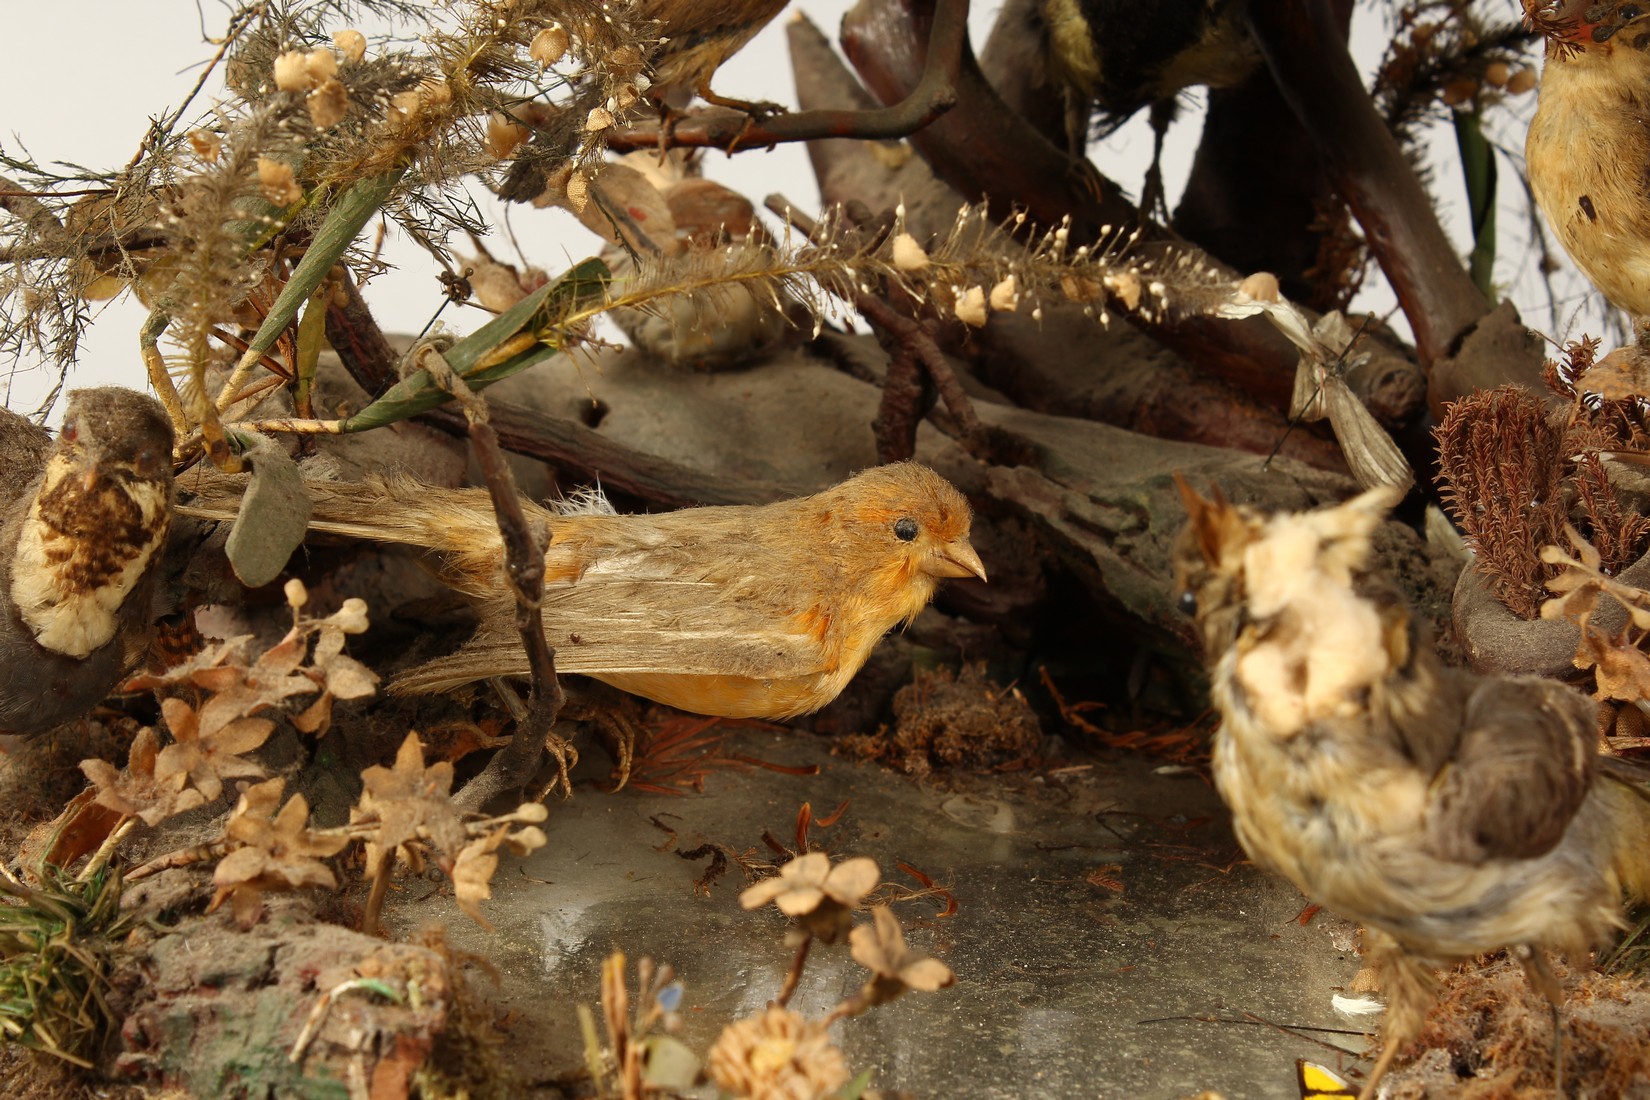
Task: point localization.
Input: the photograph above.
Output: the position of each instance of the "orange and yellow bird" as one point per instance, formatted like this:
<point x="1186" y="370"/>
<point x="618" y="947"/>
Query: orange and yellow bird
<point x="1588" y="148"/>
<point x="734" y="611"/>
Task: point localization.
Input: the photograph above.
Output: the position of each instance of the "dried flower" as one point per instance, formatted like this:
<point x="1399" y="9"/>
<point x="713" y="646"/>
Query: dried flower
<point x="276" y="182"/>
<point x="880" y="947"/>
<point x="820" y="896"/>
<point x="351" y="43"/>
<point x="327" y="104"/>
<point x="970" y="306"/>
<point x="549" y="45"/>
<point x="778" y="1055"/>
<point x="908" y="254"/>
<point x="600" y="118"/>
<point x="206" y="145"/>
<point x="1006" y="295"/>
<point x="504" y="134"/>
<point x="292" y="71"/>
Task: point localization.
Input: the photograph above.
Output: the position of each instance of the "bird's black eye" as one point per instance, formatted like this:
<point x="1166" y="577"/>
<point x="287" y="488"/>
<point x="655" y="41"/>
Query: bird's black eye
<point x="905" y="528"/>
<point x="1188" y="602"/>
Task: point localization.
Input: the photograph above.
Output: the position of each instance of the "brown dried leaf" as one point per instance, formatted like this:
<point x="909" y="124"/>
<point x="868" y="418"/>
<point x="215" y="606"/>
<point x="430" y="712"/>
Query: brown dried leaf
<point x="278" y="851"/>
<point x="410" y="802"/>
<point x="137" y="789"/>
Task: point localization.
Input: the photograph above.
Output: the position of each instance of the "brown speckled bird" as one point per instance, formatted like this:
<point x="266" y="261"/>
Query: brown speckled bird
<point x="697" y="39"/>
<point x="1588" y="148"/>
<point x="85" y="518"/>
<point x="1451" y="814"/>
<point x="741" y="612"/>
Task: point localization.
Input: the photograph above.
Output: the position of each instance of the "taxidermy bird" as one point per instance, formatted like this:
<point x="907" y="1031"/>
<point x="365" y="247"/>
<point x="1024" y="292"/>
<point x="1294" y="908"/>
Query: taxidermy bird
<point x="740" y="612"/>
<point x="1452" y="814"/>
<point x="1117" y="56"/>
<point x="695" y="39"/>
<point x="1588" y="149"/>
<point x="85" y="517"/>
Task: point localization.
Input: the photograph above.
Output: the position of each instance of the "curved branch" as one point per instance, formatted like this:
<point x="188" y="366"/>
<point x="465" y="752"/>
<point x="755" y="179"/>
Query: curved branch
<point x="934" y="94"/>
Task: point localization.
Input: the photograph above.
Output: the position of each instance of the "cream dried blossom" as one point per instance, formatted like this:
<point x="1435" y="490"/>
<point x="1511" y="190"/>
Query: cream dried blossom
<point x="880" y="947"/>
<point x="276" y="182"/>
<point x="777" y="1055"/>
<point x="908" y="255"/>
<point x="970" y="306"/>
<point x="351" y="43"/>
<point x="820" y="896"/>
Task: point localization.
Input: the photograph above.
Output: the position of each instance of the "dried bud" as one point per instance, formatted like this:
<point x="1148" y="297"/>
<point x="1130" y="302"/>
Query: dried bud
<point x="600" y="118"/>
<point x="1006" y="295"/>
<point x="504" y="134"/>
<point x="292" y="71"/>
<point x="206" y="145"/>
<point x="970" y="306"/>
<point x="327" y="104"/>
<point x="1521" y="82"/>
<point x="1262" y="286"/>
<point x="404" y="106"/>
<point x="322" y="66"/>
<point x="1497" y="73"/>
<point x="578" y="191"/>
<point x="1457" y="92"/>
<point x="436" y="93"/>
<point x="351" y="618"/>
<point x="549" y="45"/>
<point x="296" y="594"/>
<point x="276" y="182"/>
<point x="625" y="61"/>
<point x="1126" y="285"/>
<point x="908" y="254"/>
<point x="351" y="43"/>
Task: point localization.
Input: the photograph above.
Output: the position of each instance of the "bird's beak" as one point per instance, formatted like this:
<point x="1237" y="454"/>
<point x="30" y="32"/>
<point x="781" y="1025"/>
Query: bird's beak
<point x="955" y="559"/>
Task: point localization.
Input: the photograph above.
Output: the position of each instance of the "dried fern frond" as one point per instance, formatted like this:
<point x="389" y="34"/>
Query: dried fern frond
<point x="1501" y="468"/>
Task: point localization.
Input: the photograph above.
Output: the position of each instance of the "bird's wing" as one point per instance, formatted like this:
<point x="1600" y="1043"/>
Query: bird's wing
<point x="1519" y="773"/>
<point x="657" y="626"/>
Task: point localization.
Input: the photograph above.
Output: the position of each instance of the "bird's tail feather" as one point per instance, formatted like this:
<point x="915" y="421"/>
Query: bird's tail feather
<point x="1626" y="788"/>
<point x="458" y="523"/>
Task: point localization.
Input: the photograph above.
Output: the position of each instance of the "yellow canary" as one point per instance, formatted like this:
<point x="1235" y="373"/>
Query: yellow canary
<point x="1588" y="149"/>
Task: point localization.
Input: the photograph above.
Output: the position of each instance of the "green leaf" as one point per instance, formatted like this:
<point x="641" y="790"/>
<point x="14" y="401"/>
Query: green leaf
<point x="273" y="516"/>
<point x="668" y="1063"/>
<point x="346" y="218"/>
<point x="854" y="1089"/>
<point x="538" y="315"/>
<point x="1478" y="167"/>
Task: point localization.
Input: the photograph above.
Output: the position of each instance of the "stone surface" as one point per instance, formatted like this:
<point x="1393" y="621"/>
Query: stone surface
<point x="1108" y="939"/>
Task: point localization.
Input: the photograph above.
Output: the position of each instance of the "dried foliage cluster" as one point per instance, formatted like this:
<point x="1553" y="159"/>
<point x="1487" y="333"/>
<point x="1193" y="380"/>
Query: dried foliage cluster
<point x="775" y="1051"/>
<point x="216" y="707"/>
<point x="1514" y="472"/>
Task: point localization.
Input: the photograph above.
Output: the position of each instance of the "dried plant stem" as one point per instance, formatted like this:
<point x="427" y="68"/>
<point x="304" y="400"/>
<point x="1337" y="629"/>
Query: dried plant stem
<point x="182" y="857"/>
<point x="159" y="377"/>
<point x="293" y="425"/>
<point x="912" y="344"/>
<point x="375" y="898"/>
<point x="524" y="547"/>
<point x="795" y="975"/>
